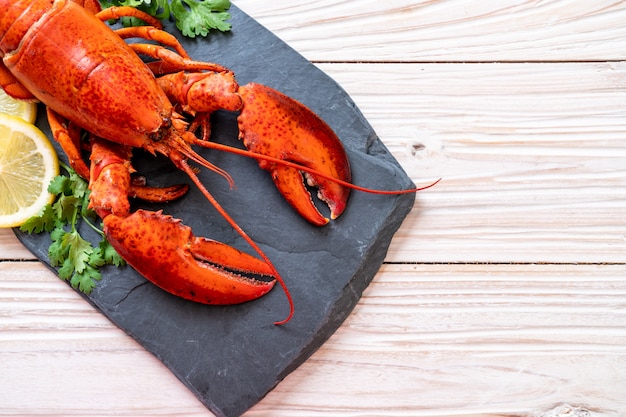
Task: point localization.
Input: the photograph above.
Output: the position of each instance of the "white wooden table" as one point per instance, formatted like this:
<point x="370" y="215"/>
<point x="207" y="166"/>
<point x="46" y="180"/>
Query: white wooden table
<point x="504" y="292"/>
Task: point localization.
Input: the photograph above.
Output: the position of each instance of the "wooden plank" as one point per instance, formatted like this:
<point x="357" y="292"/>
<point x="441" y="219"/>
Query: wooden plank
<point x="473" y="340"/>
<point x="531" y="157"/>
<point x="11" y="248"/>
<point x="447" y="31"/>
<point x="63" y="358"/>
<point x="445" y="340"/>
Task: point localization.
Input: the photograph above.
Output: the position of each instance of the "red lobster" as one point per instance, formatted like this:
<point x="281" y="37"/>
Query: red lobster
<point x="61" y="53"/>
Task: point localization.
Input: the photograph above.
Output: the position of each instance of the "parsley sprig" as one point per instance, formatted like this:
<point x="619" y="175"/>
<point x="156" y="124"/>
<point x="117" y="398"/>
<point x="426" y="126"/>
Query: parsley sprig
<point x="193" y="17"/>
<point x="78" y="259"/>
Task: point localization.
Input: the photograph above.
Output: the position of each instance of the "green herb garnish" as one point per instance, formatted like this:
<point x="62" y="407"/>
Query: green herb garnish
<point x="193" y="17"/>
<point x="78" y="260"/>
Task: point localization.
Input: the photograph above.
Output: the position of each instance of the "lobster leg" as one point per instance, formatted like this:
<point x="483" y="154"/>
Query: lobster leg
<point x="164" y="250"/>
<point x="12" y="86"/>
<point x="68" y="136"/>
<point x="169" y="61"/>
<point x="202" y="92"/>
<point x="138" y="189"/>
<point x="153" y="34"/>
<point x="116" y="12"/>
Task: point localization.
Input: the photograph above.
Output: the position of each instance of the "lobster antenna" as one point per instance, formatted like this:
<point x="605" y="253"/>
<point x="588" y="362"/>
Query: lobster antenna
<point x="255" y="155"/>
<point x="190" y="172"/>
<point x="186" y="150"/>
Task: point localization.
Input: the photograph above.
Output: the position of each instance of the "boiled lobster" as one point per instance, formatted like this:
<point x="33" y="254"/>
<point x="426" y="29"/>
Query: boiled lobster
<point x="61" y="53"/>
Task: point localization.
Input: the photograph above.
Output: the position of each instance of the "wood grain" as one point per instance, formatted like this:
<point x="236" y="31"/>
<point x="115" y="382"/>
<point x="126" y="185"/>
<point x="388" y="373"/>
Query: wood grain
<point x="447" y="31"/>
<point x="504" y="290"/>
<point x="531" y="156"/>
<point x="459" y="339"/>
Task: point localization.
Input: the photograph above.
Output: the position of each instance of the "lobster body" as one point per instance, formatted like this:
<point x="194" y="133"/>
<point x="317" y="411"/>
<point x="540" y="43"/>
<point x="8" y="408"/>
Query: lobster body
<point x="91" y="80"/>
<point x="99" y="83"/>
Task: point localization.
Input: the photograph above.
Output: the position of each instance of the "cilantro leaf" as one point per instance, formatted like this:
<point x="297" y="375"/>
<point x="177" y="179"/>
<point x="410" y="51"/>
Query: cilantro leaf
<point x="67" y="270"/>
<point x="79" y="187"/>
<point x="198" y="17"/>
<point x="65" y="207"/>
<point x="57" y="252"/>
<point x="59" y="184"/>
<point x="109" y="254"/>
<point x="46" y="220"/>
<point x="80" y="250"/>
<point x="76" y="257"/>
<point x="85" y="281"/>
<point x="96" y="258"/>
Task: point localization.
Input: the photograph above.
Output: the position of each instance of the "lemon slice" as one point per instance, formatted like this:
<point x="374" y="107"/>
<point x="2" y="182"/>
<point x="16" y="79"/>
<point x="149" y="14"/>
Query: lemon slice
<point x="28" y="163"/>
<point x="18" y="108"/>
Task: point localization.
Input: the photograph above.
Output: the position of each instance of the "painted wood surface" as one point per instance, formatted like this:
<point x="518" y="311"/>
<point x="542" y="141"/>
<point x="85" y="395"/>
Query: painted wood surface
<point x="504" y="291"/>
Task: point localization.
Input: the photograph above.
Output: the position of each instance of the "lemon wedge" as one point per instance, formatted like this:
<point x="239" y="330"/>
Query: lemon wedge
<point x="28" y="163"/>
<point x="18" y="108"/>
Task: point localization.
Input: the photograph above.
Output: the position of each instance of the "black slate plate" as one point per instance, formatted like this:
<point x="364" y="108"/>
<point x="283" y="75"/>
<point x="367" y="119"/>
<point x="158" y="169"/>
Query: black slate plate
<point x="231" y="357"/>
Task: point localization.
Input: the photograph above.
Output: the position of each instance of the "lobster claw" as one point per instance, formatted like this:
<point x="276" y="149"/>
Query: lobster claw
<point x="164" y="250"/>
<point x="167" y="253"/>
<point x="276" y="125"/>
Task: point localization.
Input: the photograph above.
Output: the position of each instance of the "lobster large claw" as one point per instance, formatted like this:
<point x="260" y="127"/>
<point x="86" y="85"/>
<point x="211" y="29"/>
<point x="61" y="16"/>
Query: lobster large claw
<point x="167" y="253"/>
<point x="164" y="250"/>
<point x="276" y="125"/>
